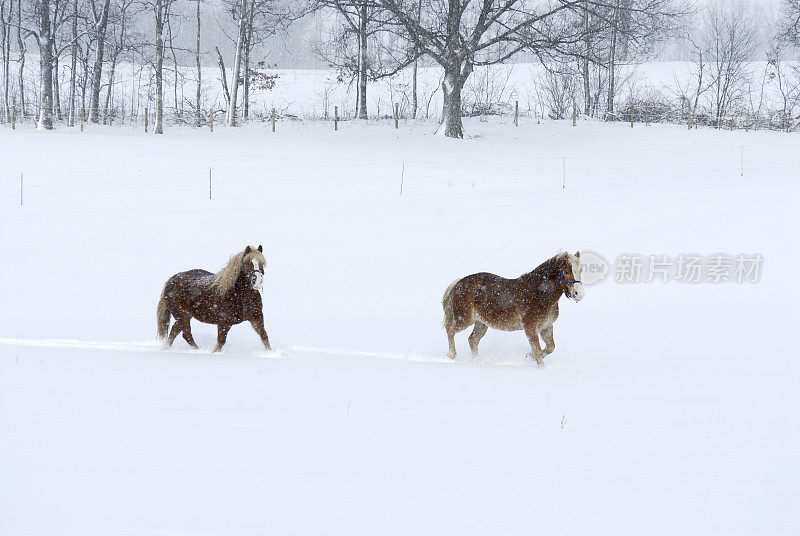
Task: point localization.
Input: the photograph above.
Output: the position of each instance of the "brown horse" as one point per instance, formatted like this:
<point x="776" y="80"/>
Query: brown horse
<point x="227" y="298"/>
<point x="529" y="303"/>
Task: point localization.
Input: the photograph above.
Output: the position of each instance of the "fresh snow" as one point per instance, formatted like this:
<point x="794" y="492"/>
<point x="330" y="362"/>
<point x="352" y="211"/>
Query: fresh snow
<point x="666" y="408"/>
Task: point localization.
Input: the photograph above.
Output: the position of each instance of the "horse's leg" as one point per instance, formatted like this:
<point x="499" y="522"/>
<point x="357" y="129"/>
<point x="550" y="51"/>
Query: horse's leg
<point x="476" y="336"/>
<point x="456" y="320"/>
<point x="547" y="337"/>
<point x="452" y="328"/>
<point x="186" y="326"/>
<point x="173" y="333"/>
<point x="451" y="342"/>
<point x="258" y="326"/>
<point x="222" y="336"/>
<point x="533" y="339"/>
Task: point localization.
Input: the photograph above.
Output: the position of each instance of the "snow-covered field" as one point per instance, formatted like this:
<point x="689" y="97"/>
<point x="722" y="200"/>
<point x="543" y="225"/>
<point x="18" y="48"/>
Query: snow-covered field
<point x="666" y="408"/>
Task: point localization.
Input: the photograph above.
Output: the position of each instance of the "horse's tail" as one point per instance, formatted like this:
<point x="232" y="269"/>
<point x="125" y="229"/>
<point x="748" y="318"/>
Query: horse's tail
<point x="447" y="303"/>
<point x="163" y="315"/>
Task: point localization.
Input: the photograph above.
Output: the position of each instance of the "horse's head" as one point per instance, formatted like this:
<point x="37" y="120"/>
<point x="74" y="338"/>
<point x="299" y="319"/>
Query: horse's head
<point x="253" y="266"/>
<point x="569" y="276"/>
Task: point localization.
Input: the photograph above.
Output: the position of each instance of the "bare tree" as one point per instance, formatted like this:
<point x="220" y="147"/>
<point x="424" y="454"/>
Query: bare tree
<point x="120" y="42"/>
<point x="361" y="19"/>
<point x="790" y="10"/>
<point x="701" y="83"/>
<point x="414" y="89"/>
<point x="618" y="30"/>
<point x="5" y="51"/>
<point x="223" y="75"/>
<point x="44" y="40"/>
<point x="256" y="19"/>
<point x="460" y="34"/>
<point x="161" y="10"/>
<point x="559" y="86"/>
<point x="198" y="111"/>
<point x="730" y="37"/>
<point x="100" y="22"/>
<point x="230" y="115"/>
<point x="787" y="83"/>
<point x="73" y="65"/>
<point x="21" y="35"/>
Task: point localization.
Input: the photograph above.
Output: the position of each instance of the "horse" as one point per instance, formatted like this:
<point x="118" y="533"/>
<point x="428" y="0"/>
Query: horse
<point x="528" y="303"/>
<point x="226" y="298"/>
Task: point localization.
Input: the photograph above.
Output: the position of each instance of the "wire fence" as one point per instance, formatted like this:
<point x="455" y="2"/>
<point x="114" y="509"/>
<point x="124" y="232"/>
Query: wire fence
<point x="591" y="171"/>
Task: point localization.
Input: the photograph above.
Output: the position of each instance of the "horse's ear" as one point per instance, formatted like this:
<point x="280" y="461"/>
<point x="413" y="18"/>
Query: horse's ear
<point x="247" y="250"/>
<point x="578" y="254"/>
<point x="260" y="249"/>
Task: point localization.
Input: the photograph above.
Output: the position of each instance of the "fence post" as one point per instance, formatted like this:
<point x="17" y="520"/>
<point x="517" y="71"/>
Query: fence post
<point x="211" y="119"/>
<point x="516" y="113"/>
<point x="273" y="120"/>
<point x="396" y="115"/>
<point x="82" y="116"/>
<point x="335" y="118"/>
<point x="574" y="114"/>
<point x="741" y="160"/>
<point x="146" y="117"/>
<point x="631" y="112"/>
<point x="14" y="116"/>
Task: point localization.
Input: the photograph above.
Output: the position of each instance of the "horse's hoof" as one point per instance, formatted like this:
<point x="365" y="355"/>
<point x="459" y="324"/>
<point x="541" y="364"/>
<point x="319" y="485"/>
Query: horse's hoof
<point x="451" y="355"/>
<point x="539" y="360"/>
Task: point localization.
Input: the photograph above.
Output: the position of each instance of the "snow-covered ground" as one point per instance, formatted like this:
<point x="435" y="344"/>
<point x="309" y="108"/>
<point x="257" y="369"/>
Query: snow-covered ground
<point x="667" y="408"/>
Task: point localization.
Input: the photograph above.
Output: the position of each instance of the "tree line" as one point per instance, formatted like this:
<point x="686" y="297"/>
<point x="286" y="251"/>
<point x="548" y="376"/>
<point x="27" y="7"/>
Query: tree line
<point x="582" y="44"/>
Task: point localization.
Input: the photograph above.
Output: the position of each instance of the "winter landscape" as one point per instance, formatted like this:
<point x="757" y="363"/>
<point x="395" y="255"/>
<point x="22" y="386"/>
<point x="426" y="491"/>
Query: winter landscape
<point x="669" y="405"/>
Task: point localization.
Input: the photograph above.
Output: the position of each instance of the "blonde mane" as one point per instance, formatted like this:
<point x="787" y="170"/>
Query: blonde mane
<point x="224" y="279"/>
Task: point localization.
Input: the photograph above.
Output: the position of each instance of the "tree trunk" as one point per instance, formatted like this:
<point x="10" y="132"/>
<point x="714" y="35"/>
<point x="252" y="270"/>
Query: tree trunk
<point x="159" y="126"/>
<point x="178" y="106"/>
<point x="247" y="48"/>
<point x="415" y="101"/>
<point x="22" y="51"/>
<point x="587" y="97"/>
<point x="612" y="65"/>
<point x="84" y="77"/>
<point x="453" y="83"/>
<point x="224" y="75"/>
<point x="56" y="94"/>
<point x="100" y="33"/>
<point x="5" y="28"/>
<point x="45" y="121"/>
<point x="362" y="67"/>
<point x="110" y="88"/>
<point x="230" y="117"/>
<point x="73" y="64"/>
<point x="198" y="113"/>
